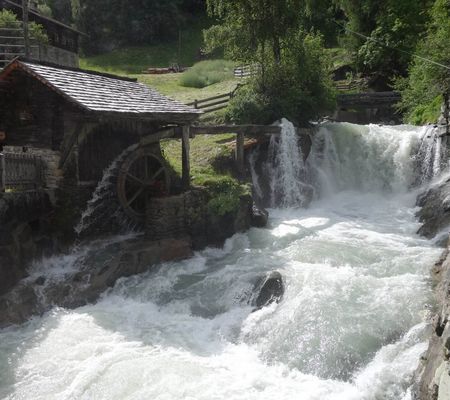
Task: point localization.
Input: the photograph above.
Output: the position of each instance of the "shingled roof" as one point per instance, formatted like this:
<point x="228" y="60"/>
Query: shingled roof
<point x="103" y="93"/>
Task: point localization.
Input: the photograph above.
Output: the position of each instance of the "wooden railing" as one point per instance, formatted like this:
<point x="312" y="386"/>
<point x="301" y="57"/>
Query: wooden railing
<point x="21" y="172"/>
<point x="246" y="71"/>
<point x="12" y="43"/>
<point x="214" y="103"/>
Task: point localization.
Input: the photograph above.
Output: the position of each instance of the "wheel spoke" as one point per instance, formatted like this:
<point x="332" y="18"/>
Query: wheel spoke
<point x="135" y="178"/>
<point x="136" y="195"/>
<point x="146" y="167"/>
<point x="157" y="173"/>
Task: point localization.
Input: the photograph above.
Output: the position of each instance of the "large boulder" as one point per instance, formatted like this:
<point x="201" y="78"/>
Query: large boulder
<point x="268" y="290"/>
<point x="260" y="217"/>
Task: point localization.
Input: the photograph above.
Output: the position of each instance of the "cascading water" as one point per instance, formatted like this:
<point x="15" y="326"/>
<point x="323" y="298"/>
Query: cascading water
<point x="103" y="212"/>
<point x="286" y="169"/>
<point x="351" y="325"/>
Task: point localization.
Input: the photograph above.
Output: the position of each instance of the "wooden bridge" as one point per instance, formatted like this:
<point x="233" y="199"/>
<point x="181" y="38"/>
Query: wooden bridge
<point x="369" y="107"/>
<point x="368" y="99"/>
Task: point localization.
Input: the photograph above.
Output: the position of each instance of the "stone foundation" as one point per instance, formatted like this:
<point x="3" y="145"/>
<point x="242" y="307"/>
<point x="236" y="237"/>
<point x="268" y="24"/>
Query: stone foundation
<point x="24" y="234"/>
<point x="187" y="215"/>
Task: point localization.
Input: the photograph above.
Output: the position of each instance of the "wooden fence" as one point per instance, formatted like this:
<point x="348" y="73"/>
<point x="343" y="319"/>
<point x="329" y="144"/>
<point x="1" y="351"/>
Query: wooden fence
<point x="246" y="71"/>
<point x="214" y="103"/>
<point x="21" y="172"/>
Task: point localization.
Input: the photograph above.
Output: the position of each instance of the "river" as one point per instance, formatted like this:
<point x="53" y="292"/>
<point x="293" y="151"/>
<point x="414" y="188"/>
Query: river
<point x="352" y="323"/>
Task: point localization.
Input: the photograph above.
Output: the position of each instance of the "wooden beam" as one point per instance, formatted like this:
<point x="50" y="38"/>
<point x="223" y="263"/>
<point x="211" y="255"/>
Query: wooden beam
<point x="2" y="173"/>
<point x="251" y="130"/>
<point x="26" y="34"/>
<point x="186" y="162"/>
<point x="157" y="136"/>
<point x="240" y="153"/>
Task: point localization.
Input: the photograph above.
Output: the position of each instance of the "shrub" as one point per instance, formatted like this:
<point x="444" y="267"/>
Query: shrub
<point x="207" y="73"/>
<point x="225" y="193"/>
<point x="299" y="87"/>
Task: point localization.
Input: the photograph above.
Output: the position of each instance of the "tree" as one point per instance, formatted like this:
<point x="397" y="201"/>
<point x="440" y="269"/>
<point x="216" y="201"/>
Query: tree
<point x="293" y="79"/>
<point x="384" y="33"/>
<point x="248" y="28"/>
<point x="429" y="74"/>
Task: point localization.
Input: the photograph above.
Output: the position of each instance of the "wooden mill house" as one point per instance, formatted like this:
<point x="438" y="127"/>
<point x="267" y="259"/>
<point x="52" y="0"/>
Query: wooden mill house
<point x="74" y="123"/>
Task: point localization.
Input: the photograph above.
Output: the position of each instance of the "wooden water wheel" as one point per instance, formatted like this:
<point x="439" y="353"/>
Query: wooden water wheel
<point x="143" y="174"/>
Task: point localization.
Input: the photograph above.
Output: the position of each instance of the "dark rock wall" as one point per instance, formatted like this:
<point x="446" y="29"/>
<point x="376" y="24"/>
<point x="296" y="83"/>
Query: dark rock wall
<point x="24" y="227"/>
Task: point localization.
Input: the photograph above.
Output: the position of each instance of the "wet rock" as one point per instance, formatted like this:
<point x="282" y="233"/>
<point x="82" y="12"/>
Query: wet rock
<point x="269" y="290"/>
<point x="260" y="217"/>
<point x="435" y="211"/>
<point x="96" y="272"/>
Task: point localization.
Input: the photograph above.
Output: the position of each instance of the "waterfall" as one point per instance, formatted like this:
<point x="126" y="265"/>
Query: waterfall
<point x="431" y="156"/>
<point x="352" y="323"/>
<point x="286" y="169"/>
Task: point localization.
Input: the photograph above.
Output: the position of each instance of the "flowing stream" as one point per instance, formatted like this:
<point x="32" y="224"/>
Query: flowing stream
<point x="352" y="323"/>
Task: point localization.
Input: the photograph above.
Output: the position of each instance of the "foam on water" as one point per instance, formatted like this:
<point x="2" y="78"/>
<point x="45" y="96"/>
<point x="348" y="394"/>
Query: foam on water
<point x="352" y="323"/>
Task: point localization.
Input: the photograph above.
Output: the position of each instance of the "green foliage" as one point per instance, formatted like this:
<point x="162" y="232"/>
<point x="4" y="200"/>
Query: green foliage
<point x="392" y="28"/>
<point x="206" y="73"/>
<point x="9" y="20"/>
<point x="247" y="29"/>
<point x="426" y="82"/>
<point x="298" y="87"/>
<point x="225" y="194"/>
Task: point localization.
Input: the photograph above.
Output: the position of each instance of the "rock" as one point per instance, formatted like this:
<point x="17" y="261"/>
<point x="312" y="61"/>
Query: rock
<point x="260" y="217"/>
<point x="269" y="290"/>
<point x="435" y="211"/>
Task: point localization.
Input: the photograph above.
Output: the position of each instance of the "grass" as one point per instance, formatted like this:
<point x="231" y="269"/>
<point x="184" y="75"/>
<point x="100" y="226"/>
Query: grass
<point x="206" y="152"/>
<point x="206" y="73"/>
<point x="135" y="60"/>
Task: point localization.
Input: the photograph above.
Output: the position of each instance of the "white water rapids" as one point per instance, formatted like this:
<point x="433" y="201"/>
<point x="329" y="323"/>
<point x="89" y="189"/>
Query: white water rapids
<point x="352" y="323"/>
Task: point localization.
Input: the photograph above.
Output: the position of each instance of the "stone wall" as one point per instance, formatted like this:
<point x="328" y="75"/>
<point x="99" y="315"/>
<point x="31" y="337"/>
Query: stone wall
<point x="188" y="215"/>
<point x="23" y="234"/>
<point x="55" y="55"/>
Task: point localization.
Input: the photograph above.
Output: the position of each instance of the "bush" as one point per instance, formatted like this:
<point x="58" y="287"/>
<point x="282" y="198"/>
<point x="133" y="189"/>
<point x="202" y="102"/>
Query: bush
<point x="225" y="193"/>
<point x="207" y="73"/>
<point x="299" y="87"/>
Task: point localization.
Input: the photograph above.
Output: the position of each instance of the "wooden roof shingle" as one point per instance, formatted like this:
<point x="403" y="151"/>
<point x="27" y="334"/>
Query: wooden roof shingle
<point x="103" y="93"/>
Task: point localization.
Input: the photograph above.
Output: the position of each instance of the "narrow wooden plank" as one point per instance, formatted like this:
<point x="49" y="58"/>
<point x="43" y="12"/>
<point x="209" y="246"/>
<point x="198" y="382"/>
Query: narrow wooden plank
<point x="209" y="99"/>
<point x="2" y="173"/>
<point x="240" y="153"/>
<point x="186" y="162"/>
<point x="252" y="130"/>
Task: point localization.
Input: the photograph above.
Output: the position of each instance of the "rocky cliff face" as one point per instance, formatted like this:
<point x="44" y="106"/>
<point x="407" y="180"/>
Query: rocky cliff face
<point x="434" y="371"/>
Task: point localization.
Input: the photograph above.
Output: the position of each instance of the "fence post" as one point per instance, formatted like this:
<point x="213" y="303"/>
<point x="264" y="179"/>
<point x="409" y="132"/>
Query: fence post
<point x="2" y="172"/>
<point x="240" y="154"/>
<point x="186" y="163"/>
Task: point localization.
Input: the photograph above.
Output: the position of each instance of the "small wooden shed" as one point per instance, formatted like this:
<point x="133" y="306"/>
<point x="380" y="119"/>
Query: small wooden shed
<point x="85" y="119"/>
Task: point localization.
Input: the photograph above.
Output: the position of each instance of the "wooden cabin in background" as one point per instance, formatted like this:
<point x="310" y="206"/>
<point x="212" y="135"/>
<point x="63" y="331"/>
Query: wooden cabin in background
<point x="63" y="46"/>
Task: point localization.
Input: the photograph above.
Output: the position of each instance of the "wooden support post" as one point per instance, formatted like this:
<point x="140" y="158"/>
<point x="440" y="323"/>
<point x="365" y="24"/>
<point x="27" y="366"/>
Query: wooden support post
<point x="26" y="32"/>
<point x="2" y="173"/>
<point x="240" y="153"/>
<point x="186" y="162"/>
